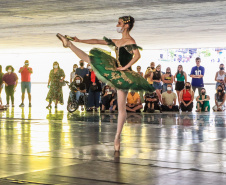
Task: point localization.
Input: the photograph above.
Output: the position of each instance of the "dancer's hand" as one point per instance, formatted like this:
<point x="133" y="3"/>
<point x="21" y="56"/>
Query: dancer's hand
<point x="121" y="68"/>
<point x="75" y="39"/>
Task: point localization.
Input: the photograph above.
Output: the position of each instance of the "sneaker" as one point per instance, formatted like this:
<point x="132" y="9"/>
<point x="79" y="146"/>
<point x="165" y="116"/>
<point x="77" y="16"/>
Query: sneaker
<point x="21" y="105"/>
<point x="29" y="105"/>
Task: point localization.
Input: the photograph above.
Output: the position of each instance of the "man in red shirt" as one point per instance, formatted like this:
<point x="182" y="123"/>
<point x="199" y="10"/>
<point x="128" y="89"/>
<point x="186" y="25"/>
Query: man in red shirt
<point x="26" y="82"/>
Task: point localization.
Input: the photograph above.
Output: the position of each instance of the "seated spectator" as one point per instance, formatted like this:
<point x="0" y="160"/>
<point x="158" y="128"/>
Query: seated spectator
<point x="133" y="102"/>
<point x="220" y="77"/>
<point x="169" y="99"/>
<point x="113" y="103"/>
<point x="167" y="78"/>
<point x="219" y="99"/>
<point x="186" y="98"/>
<point x="77" y="88"/>
<point x="151" y="102"/>
<point x="106" y="98"/>
<point x="203" y="101"/>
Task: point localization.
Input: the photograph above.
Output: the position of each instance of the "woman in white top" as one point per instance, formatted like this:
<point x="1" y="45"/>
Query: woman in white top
<point x="72" y="75"/>
<point x="220" y="77"/>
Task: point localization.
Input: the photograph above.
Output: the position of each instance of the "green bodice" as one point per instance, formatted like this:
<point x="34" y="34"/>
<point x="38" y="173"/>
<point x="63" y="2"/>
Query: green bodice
<point x="179" y="78"/>
<point x="124" y="54"/>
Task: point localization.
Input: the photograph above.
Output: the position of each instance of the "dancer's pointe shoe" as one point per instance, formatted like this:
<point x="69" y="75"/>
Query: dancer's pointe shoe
<point x="117" y="144"/>
<point x="66" y="42"/>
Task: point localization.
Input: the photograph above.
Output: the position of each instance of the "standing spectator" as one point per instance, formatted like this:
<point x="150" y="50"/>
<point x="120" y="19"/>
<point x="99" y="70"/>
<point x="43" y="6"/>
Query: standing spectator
<point x="149" y="71"/>
<point x="10" y="80"/>
<point x="169" y="100"/>
<point x="151" y="102"/>
<point x="139" y="71"/>
<point x="73" y="73"/>
<point x="56" y="79"/>
<point x="94" y="92"/>
<point x="133" y="102"/>
<point x="86" y="79"/>
<point x="167" y="78"/>
<point x="180" y="78"/>
<point x="26" y="82"/>
<point x="186" y="98"/>
<point x="220" y="77"/>
<point x="197" y="74"/>
<point x="140" y="92"/>
<point x="156" y="78"/>
<point x="219" y="99"/>
<point x="82" y="71"/>
<point x="203" y="101"/>
<point x="1" y="83"/>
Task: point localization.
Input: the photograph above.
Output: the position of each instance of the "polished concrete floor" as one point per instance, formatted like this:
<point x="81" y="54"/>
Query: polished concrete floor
<point x="56" y="148"/>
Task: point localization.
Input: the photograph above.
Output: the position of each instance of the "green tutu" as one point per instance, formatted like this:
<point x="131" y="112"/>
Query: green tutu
<point x="105" y="68"/>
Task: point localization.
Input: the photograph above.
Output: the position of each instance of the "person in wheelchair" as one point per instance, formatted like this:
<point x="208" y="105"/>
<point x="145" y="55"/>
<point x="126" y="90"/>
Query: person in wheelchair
<point x="78" y="89"/>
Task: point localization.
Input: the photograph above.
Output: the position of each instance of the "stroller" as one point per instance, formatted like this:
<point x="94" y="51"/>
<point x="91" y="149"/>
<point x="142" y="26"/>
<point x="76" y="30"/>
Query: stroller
<point x="73" y="104"/>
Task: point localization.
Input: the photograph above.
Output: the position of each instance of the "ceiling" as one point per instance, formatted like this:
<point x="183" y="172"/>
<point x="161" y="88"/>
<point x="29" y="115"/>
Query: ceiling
<point x="159" y="23"/>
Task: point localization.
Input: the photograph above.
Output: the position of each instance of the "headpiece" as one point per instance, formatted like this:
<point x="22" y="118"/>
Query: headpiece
<point x="125" y="19"/>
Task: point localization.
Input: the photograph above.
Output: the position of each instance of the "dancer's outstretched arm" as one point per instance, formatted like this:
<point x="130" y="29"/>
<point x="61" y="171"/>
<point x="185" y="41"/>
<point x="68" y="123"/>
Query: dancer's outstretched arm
<point x="91" y="41"/>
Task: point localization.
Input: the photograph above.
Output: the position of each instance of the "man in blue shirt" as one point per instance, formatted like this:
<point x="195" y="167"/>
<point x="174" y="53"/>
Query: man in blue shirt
<point x="197" y="74"/>
<point x="82" y="71"/>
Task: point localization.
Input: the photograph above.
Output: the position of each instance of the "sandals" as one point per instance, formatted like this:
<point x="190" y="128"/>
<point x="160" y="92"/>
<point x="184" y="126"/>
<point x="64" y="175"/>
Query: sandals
<point x="65" y="41"/>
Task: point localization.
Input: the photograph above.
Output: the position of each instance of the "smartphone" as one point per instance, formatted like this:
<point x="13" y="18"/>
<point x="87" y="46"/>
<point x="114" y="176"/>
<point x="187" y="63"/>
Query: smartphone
<point x="69" y="38"/>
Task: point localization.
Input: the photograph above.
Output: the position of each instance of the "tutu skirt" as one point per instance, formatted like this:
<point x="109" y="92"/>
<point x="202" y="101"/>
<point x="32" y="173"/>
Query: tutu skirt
<point x="105" y="68"/>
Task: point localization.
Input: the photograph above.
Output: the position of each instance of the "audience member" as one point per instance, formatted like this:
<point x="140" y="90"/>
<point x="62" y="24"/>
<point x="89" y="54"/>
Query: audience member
<point x="197" y="74"/>
<point x="203" y="101"/>
<point x="133" y="102"/>
<point x="73" y="73"/>
<point x="26" y="72"/>
<point x="219" y="99"/>
<point x="78" y="89"/>
<point x="167" y="78"/>
<point x="220" y="77"/>
<point x="55" y="82"/>
<point x="169" y="99"/>
<point x="186" y="98"/>
<point x="106" y="98"/>
<point x="140" y="92"/>
<point x="82" y="71"/>
<point x="149" y="71"/>
<point x="156" y="78"/>
<point x="1" y="83"/>
<point x="180" y="78"/>
<point x="10" y="80"/>
<point x="113" y="103"/>
<point x="94" y="91"/>
<point x="151" y="102"/>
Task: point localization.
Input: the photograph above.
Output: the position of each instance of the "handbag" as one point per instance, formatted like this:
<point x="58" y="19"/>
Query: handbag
<point x="63" y="83"/>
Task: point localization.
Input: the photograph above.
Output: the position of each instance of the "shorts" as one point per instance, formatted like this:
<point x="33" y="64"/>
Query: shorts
<point x="26" y="85"/>
<point x="179" y="86"/>
<point x="157" y="85"/>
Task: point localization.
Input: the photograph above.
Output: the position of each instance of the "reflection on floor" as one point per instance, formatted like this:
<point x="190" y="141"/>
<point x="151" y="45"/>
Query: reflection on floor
<point x="54" y="147"/>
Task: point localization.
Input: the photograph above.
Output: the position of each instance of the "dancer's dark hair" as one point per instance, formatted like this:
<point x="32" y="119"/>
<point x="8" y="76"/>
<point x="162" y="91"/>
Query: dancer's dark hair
<point x="128" y="20"/>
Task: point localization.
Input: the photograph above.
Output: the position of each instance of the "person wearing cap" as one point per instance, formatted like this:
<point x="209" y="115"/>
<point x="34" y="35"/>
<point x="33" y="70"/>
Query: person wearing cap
<point x="10" y="80"/>
<point x="25" y="72"/>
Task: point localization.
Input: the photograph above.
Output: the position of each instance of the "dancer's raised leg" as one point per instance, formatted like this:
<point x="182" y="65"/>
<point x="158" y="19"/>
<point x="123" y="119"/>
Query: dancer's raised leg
<point x="121" y="98"/>
<point x="68" y="44"/>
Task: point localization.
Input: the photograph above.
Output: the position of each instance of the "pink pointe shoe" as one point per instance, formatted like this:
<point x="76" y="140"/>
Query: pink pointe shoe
<point x="66" y="42"/>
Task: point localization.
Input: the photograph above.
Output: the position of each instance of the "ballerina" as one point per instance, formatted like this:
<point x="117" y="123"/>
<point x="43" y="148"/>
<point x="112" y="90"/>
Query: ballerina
<point x="115" y="72"/>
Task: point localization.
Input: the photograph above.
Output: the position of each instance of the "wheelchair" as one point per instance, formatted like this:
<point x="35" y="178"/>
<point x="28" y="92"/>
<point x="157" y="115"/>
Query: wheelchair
<point x="73" y="104"/>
